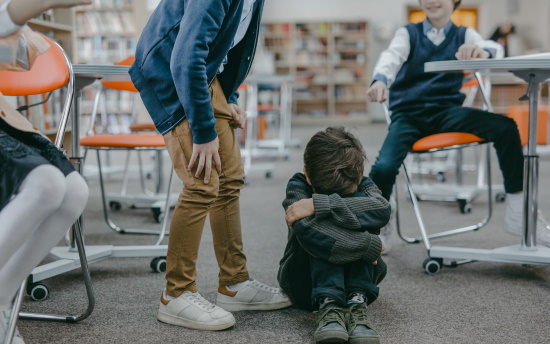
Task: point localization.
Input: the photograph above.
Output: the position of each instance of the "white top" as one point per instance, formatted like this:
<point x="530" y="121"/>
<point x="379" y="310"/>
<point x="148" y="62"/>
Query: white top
<point x="246" y="18"/>
<point x="7" y="26"/>
<point x="390" y="60"/>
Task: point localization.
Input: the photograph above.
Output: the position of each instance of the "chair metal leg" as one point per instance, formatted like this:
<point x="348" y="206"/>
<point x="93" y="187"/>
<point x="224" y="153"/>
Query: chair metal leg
<point x="87" y="282"/>
<point x="424" y="236"/>
<point x="108" y="220"/>
<point x="166" y="208"/>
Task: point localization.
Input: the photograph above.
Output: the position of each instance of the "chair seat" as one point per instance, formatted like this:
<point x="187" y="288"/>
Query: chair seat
<point x="444" y="140"/>
<point x="143" y="127"/>
<point x="123" y="141"/>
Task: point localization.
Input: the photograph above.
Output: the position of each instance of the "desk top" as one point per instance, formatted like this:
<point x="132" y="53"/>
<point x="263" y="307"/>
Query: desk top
<point x="99" y="70"/>
<point x="506" y="64"/>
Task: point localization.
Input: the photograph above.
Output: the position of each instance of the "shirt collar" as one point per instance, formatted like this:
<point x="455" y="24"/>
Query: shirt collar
<point x="427" y="26"/>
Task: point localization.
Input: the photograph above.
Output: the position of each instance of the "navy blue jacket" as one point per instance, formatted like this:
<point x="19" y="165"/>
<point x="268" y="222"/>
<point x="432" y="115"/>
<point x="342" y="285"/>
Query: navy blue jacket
<point x="415" y="88"/>
<point x="178" y="56"/>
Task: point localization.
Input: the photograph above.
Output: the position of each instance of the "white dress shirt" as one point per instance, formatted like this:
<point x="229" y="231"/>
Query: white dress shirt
<point x="390" y="60"/>
<point x="246" y="18"/>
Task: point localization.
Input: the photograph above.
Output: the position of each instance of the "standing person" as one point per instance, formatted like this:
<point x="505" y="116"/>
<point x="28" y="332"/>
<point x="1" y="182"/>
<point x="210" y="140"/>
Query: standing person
<point x="423" y="104"/>
<point x="332" y="262"/>
<point x="191" y="58"/>
<point x="41" y="195"/>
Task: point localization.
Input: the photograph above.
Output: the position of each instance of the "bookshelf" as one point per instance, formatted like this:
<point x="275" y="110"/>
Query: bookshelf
<point x="329" y="64"/>
<point x="104" y="33"/>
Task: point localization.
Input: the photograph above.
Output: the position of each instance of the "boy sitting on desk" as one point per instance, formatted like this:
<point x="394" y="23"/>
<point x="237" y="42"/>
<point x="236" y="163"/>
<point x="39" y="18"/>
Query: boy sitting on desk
<point x="423" y="104"/>
<point x="332" y="260"/>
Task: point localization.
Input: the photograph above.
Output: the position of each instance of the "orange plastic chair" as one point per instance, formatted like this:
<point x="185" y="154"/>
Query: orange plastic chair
<point x="128" y="142"/>
<point x="51" y="71"/>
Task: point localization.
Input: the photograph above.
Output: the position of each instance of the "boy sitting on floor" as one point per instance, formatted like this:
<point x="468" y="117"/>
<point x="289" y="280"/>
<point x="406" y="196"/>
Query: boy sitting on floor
<point x="332" y="260"/>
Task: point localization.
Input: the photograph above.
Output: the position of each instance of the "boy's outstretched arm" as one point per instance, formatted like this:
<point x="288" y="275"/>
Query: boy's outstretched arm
<point x="325" y="239"/>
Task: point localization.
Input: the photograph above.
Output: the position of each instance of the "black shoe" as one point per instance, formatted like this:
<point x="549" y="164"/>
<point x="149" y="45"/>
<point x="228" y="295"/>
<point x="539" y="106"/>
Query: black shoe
<point x="359" y="327"/>
<point x="331" y="325"/>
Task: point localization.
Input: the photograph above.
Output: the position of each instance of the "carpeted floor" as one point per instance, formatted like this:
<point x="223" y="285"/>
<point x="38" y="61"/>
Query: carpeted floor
<point x="480" y="302"/>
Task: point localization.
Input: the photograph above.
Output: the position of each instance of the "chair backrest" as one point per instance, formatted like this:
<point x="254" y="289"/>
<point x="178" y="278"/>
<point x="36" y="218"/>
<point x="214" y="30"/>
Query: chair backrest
<point x="51" y="71"/>
<point x="126" y="85"/>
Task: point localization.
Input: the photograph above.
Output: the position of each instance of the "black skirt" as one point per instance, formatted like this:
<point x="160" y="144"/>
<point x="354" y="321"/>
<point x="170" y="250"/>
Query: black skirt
<point x="20" y="153"/>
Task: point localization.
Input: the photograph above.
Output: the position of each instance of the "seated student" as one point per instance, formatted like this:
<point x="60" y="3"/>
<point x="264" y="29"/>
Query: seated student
<point x="41" y="194"/>
<point x="332" y="259"/>
<point x="423" y="104"/>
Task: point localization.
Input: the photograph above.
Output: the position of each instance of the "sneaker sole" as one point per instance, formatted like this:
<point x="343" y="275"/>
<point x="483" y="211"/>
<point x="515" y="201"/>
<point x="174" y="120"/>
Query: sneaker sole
<point x="331" y="337"/>
<point x="174" y="320"/>
<point x="241" y="306"/>
<point x="364" y="340"/>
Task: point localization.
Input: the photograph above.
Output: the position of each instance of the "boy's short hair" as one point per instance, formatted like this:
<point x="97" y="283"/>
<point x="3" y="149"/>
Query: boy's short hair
<point x="334" y="161"/>
<point x="457" y="4"/>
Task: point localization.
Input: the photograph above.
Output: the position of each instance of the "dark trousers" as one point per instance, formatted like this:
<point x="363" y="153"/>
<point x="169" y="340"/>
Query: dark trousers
<point x="338" y="281"/>
<point x="408" y="126"/>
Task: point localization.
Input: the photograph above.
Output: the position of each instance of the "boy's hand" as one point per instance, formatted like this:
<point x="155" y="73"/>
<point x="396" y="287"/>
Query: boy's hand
<point x="377" y="92"/>
<point x="299" y="210"/>
<point x="239" y="116"/>
<point x="468" y="51"/>
<point x="205" y="153"/>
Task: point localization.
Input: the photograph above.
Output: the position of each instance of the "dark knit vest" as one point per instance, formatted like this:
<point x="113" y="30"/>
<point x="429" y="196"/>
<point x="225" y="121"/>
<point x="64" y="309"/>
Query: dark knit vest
<point x="414" y="88"/>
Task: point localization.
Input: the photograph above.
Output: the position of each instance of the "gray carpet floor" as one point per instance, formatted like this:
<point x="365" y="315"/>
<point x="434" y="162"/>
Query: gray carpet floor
<point x="481" y="302"/>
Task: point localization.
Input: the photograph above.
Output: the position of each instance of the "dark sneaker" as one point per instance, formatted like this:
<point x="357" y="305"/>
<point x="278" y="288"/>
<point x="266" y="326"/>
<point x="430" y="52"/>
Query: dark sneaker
<point x="331" y="325"/>
<point x="359" y="327"/>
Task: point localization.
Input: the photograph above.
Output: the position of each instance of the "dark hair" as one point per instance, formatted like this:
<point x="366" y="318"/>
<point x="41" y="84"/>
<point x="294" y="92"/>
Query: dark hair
<point x="457" y="4"/>
<point x="334" y="161"/>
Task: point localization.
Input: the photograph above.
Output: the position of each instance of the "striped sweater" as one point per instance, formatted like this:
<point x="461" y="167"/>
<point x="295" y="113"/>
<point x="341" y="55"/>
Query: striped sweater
<point x="342" y="230"/>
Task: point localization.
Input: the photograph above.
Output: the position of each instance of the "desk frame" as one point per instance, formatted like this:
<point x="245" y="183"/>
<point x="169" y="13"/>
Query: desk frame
<point x="533" y="71"/>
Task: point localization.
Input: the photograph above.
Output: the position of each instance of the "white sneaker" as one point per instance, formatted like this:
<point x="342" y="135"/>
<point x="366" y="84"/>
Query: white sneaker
<point x="255" y="296"/>
<point x="5" y="314"/>
<point x="385" y="237"/>
<point x="191" y="310"/>
<point x="513" y="224"/>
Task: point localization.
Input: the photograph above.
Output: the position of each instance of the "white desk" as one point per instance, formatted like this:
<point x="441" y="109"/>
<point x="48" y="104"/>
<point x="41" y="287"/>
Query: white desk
<point x="66" y="258"/>
<point x="533" y="71"/>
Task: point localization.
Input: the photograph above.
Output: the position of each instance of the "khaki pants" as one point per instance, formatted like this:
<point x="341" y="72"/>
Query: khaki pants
<point x="219" y="198"/>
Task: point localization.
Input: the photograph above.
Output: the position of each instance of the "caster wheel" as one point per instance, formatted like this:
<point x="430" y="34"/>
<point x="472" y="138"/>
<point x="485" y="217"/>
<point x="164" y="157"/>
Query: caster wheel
<point x="432" y="266"/>
<point x="268" y="174"/>
<point x="465" y="207"/>
<point x="441" y="177"/>
<point x="159" y="218"/>
<point x="38" y="291"/>
<point x="500" y="197"/>
<point x="158" y="264"/>
<point x="115" y="206"/>
<point x="158" y="214"/>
